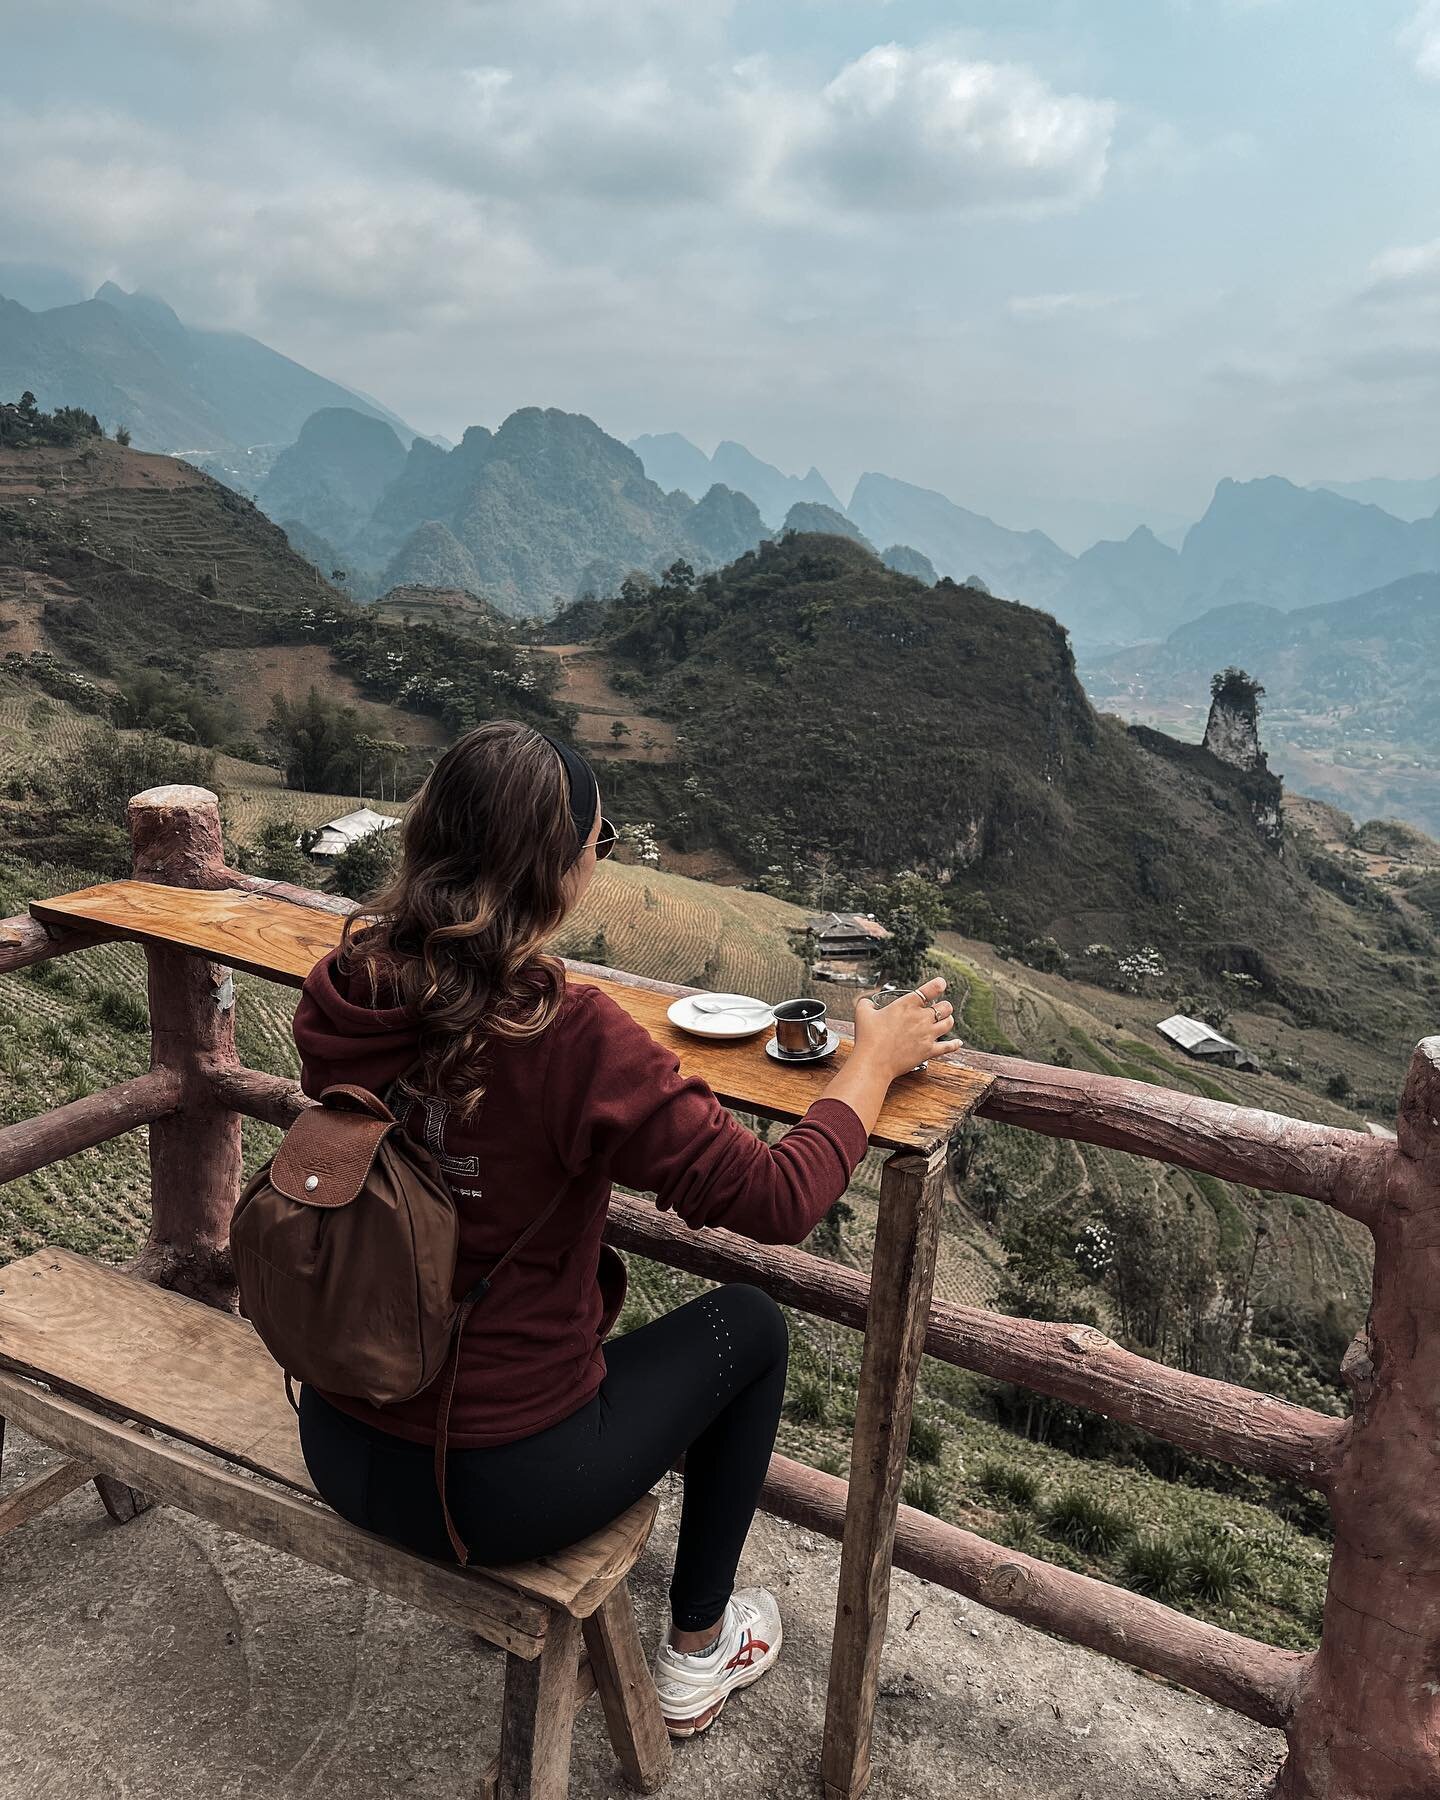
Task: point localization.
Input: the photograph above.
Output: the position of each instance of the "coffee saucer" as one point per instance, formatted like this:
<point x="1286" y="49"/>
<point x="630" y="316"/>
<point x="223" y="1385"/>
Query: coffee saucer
<point x="776" y="1054"/>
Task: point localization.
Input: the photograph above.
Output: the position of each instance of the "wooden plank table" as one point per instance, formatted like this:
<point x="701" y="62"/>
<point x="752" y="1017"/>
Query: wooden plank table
<point x="283" y="942"/>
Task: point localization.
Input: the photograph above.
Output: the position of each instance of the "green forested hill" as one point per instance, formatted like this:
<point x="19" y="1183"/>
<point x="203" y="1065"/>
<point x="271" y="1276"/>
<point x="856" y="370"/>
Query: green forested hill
<point x="829" y="707"/>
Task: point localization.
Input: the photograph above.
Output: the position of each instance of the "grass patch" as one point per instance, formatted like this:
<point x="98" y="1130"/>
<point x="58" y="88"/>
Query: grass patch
<point x="922" y="1491"/>
<point x="808" y="1403"/>
<point x="1154" y="1564"/>
<point x="117" y="1006"/>
<point x="927" y="1440"/>
<point x="1216" y="1567"/>
<point x="1087" y="1523"/>
<point x="1009" y="1482"/>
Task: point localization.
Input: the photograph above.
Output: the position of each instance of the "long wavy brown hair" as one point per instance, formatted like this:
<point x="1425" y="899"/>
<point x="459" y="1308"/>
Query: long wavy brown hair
<point x="457" y="932"/>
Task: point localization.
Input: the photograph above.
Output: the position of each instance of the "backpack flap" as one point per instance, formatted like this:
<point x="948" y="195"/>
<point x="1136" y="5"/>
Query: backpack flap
<point x="329" y="1151"/>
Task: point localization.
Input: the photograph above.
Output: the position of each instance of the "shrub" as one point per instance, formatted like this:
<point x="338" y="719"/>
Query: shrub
<point x="1155" y="1565"/>
<point x="1010" y="1482"/>
<point x="1086" y="1522"/>
<point x="366" y="865"/>
<point x="808" y="1402"/>
<point x="922" y="1491"/>
<point x="120" y="1008"/>
<point x="1215" y="1566"/>
<point x="927" y="1440"/>
<point x="52" y="975"/>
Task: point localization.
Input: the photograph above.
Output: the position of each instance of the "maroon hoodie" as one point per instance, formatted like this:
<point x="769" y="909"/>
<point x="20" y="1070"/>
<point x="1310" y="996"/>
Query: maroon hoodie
<point x="593" y="1099"/>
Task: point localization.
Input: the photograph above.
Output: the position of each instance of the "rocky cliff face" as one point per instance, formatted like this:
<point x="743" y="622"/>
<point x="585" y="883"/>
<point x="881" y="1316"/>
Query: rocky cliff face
<point x="1232" y="733"/>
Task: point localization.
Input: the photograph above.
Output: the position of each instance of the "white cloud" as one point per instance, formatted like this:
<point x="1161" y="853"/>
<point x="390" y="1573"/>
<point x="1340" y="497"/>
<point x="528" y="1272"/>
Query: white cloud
<point x="923" y="130"/>
<point x="1421" y="37"/>
<point x="1407" y="271"/>
<point x="1055" y="306"/>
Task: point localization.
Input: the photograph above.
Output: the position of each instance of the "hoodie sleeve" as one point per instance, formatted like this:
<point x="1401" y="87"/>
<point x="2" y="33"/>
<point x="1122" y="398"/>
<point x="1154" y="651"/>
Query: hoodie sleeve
<point x="615" y="1097"/>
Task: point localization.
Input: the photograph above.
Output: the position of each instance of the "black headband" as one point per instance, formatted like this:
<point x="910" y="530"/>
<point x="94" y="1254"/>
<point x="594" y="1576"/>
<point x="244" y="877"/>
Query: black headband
<point x="584" y="788"/>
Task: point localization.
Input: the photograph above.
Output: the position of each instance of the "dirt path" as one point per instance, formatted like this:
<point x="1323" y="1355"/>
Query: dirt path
<point x="585" y="685"/>
<point x="164" y="1661"/>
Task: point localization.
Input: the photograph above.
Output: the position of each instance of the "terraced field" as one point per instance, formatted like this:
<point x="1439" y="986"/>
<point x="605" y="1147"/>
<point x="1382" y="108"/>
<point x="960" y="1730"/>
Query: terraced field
<point x="674" y="929"/>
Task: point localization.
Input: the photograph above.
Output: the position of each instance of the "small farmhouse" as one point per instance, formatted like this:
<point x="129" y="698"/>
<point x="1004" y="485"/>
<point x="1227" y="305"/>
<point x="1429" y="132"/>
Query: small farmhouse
<point x="1198" y="1039"/>
<point x="847" y="934"/>
<point x="340" y="833"/>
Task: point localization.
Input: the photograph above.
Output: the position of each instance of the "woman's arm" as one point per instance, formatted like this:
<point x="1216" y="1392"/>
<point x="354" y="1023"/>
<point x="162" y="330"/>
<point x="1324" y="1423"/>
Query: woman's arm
<point x="617" y="1098"/>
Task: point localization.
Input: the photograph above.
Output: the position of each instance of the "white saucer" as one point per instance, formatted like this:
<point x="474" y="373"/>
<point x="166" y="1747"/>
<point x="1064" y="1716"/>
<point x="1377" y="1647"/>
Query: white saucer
<point x="720" y="1025"/>
<point x="776" y="1054"/>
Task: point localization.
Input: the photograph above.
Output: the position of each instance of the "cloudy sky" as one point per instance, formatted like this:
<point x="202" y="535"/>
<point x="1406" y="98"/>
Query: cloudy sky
<point x="1029" y="252"/>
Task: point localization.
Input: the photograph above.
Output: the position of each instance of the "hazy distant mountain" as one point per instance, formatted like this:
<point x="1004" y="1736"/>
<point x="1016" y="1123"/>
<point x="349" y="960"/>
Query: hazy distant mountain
<point x="331" y="478"/>
<point x="674" y="462"/>
<point x="1118" y="592"/>
<point x="1377" y="652"/>
<point x="1406" y="499"/>
<point x="432" y="557"/>
<point x="1352" y="689"/>
<point x="129" y="359"/>
<point x="1272" y="542"/>
<point x="1024" y="564"/>
<point x="906" y="561"/>
<point x="725" y="524"/>
<point x="544" y="508"/>
<point x="809" y="515"/>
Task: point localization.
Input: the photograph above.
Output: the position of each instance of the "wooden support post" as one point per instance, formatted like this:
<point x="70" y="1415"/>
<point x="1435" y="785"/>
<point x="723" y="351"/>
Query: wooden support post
<point x="1366" y="1725"/>
<point x="538" y="1721"/>
<point x="901" y="1279"/>
<point x="194" y="1153"/>
<point x="627" y="1692"/>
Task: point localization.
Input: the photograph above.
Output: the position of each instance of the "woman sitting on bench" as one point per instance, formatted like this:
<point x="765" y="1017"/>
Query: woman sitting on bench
<point x="525" y="1085"/>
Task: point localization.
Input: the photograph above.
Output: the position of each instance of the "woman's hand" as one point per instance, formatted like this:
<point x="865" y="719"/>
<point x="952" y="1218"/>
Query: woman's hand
<point x="896" y="1037"/>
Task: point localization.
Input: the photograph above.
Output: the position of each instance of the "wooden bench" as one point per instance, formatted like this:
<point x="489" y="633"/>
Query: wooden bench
<point x="122" y="1376"/>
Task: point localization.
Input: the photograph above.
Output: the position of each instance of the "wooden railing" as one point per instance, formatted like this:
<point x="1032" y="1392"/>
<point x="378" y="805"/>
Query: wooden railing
<point x="1361" y="1714"/>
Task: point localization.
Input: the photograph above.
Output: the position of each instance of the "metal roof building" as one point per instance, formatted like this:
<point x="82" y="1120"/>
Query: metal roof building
<point x="1196" y="1038"/>
<point x="348" y="829"/>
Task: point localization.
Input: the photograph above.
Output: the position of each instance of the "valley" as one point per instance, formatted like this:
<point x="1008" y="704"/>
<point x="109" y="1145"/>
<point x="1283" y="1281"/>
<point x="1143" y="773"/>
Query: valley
<point x="944" y="731"/>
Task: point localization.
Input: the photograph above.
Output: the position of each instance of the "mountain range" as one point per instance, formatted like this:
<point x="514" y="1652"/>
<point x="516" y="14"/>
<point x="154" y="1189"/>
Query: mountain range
<point x="549" y="505"/>
<point x="130" y="360"/>
<point x="544" y="508"/>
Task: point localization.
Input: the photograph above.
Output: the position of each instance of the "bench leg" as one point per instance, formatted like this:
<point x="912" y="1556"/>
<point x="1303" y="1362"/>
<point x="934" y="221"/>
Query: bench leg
<point x="41" y="1491"/>
<point x="627" y="1692"/>
<point x="539" y="1717"/>
<point x="121" y="1502"/>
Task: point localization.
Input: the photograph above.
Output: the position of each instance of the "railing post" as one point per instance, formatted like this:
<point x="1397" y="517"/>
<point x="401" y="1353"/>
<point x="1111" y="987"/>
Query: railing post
<point x="195" y="1152"/>
<point x="902" y="1277"/>
<point x="1367" y="1720"/>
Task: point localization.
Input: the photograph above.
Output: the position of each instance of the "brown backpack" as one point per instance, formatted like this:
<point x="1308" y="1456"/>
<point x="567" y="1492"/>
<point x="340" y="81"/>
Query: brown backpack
<point x="345" y="1246"/>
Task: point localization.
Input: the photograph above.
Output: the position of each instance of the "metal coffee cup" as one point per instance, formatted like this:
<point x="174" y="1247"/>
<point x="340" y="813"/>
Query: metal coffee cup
<point x="800" y="1027"/>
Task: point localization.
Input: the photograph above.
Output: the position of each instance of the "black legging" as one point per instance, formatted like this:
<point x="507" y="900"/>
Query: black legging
<point x="705" y="1381"/>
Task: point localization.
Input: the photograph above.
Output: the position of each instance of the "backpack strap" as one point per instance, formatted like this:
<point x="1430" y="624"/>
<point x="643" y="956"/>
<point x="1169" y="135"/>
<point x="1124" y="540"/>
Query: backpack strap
<point x="452" y="1369"/>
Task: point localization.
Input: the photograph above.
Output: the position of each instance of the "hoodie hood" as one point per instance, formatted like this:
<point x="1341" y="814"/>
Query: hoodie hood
<point x="342" y="1038"/>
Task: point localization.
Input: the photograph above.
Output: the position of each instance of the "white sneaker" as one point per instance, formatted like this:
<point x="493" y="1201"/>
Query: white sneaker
<point x="693" y="1689"/>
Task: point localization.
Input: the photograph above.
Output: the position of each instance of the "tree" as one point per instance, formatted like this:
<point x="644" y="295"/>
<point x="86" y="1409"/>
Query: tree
<point x="901" y="957"/>
<point x="122" y="436"/>
<point x="315" y="741"/>
<point x="279" y="851"/>
<point x="619" y="730"/>
<point x="1235" y="688"/>
<point x="362" y="868"/>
